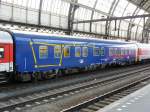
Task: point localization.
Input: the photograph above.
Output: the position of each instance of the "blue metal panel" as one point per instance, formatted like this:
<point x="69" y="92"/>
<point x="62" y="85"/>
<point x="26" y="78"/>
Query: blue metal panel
<point x="24" y="58"/>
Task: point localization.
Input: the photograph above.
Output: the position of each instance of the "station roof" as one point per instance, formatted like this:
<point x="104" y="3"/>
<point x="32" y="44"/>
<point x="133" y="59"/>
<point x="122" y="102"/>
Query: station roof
<point x="61" y="14"/>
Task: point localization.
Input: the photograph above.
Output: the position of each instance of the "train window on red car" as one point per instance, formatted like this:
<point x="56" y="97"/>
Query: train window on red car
<point x="1" y="52"/>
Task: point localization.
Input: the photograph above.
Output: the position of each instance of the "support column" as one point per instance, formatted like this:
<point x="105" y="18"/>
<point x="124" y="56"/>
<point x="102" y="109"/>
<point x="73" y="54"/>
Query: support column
<point x="130" y="26"/>
<point x="121" y="20"/>
<point x="40" y="9"/>
<point x="111" y="12"/>
<point x="12" y="11"/>
<point x="71" y="14"/>
<point x="92" y="15"/>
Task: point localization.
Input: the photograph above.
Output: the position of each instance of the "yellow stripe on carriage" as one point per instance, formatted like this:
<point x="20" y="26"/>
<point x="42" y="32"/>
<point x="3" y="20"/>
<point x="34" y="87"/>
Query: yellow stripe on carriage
<point x="43" y="66"/>
<point x="62" y="52"/>
<point x="44" y="43"/>
<point x="35" y="60"/>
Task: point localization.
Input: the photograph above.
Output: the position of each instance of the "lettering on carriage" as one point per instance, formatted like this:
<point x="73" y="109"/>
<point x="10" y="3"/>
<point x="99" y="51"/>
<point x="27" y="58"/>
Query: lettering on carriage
<point x="81" y="61"/>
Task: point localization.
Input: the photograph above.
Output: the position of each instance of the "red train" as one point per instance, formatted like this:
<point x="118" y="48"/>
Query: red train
<point x="6" y="52"/>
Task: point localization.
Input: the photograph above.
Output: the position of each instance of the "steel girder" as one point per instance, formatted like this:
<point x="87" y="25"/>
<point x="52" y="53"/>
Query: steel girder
<point x="113" y="18"/>
<point x="71" y="14"/>
<point x="90" y="28"/>
<point x="142" y="3"/>
<point x="40" y="9"/>
<point x="111" y="12"/>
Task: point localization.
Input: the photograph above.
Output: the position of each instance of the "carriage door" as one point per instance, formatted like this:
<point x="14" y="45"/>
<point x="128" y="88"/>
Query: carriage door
<point x="46" y="55"/>
<point x="52" y="54"/>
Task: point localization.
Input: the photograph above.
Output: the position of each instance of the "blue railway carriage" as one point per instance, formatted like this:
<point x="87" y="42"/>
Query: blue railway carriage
<point x="39" y="55"/>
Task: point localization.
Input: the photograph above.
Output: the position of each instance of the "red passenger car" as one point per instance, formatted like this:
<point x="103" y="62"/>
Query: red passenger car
<point x="6" y="54"/>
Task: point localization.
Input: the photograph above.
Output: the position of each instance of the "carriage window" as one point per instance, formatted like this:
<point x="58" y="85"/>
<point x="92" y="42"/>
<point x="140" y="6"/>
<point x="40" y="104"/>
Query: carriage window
<point x="1" y="52"/>
<point x="77" y="51"/>
<point x="84" y="51"/>
<point x="66" y="51"/>
<point x="43" y="52"/>
<point x="102" y="52"/>
<point x="96" y="51"/>
<point x="133" y="52"/>
<point x="119" y="51"/>
<point x="122" y="51"/>
<point x="57" y="51"/>
<point x="115" y="51"/>
<point x="110" y="51"/>
<point x="130" y="51"/>
<point x="127" y="51"/>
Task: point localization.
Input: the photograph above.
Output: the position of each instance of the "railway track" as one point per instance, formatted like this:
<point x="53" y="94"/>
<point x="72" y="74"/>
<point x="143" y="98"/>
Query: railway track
<point x="17" y="89"/>
<point x="100" y="102"/>
<point x="23" y="102"/>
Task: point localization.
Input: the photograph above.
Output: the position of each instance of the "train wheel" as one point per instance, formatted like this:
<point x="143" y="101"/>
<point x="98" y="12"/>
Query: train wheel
<point x="58" y="73"/>
<point x="103" y="66"/>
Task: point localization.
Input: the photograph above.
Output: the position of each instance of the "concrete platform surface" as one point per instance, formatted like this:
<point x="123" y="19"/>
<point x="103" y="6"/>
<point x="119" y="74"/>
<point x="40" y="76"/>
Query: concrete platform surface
<point x="139" y="101"/>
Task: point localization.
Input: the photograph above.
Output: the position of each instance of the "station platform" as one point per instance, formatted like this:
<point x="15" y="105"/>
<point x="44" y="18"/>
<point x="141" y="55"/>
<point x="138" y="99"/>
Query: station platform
<point x="139" y="101"/>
